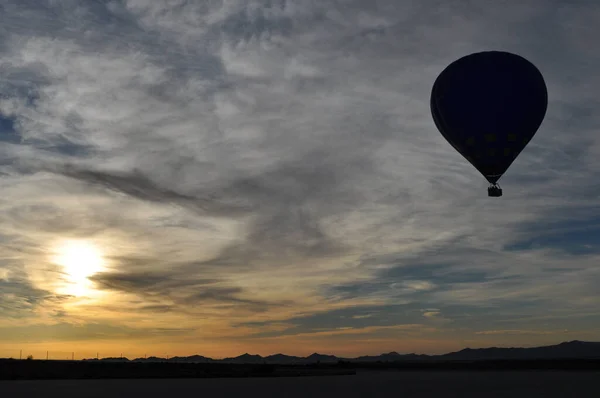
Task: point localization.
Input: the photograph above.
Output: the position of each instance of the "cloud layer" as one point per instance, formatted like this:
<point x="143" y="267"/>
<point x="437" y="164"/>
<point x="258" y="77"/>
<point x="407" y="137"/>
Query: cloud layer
<point x="264" y="173"/>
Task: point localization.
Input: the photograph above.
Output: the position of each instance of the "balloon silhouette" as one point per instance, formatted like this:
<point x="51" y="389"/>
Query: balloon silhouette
<point x="488" y="106"/>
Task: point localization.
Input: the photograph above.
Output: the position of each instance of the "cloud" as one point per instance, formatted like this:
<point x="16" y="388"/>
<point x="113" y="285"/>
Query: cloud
<point x="278" y="160"/>
<point x="20" y="299"/>
<point x="348" y="332"/>
<point x="91" y="331"/>
<point x="180" y="290"/>
<point x="22" y="302"/>
<point x="140" y="187"/>
<point x="517" y="332"/>
<point x="362" y="316"/>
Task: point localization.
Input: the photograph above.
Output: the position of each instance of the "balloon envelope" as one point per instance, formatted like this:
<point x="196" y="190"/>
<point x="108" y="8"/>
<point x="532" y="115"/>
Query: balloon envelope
<point x="488" y="106"/>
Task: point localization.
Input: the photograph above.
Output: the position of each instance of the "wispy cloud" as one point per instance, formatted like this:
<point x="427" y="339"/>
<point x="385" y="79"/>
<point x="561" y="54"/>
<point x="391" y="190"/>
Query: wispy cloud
<point x="518" y="332"/>
<point x="277" y="160"/>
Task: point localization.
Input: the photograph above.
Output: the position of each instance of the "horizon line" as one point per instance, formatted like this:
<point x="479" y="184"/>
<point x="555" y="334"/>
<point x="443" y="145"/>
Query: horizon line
<point x="169" y="357"/>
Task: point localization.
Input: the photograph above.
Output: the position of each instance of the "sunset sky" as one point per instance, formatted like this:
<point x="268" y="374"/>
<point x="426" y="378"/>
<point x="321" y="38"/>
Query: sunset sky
<point x="220" y="177"/>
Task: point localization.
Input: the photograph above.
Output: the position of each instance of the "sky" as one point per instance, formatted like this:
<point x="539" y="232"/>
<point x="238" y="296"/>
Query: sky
<point x="222" y="177"/>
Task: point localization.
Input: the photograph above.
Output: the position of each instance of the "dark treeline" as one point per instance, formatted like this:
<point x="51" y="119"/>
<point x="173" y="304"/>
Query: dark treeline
<point x="11" y="369"/>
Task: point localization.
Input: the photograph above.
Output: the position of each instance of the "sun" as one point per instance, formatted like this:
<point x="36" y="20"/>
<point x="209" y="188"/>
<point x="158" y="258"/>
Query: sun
<point x="79" y="260"/>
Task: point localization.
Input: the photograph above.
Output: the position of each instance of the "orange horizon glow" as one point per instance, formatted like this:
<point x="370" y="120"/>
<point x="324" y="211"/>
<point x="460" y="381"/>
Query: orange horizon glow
<point x="132" y="350"/>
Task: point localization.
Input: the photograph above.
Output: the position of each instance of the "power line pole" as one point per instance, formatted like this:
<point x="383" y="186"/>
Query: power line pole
<point x="21" y="354"/>
<point x="46" y="355"/>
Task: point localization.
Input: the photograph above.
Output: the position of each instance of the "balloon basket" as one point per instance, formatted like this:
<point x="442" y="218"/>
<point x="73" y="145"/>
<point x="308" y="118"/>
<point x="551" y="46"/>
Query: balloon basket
<point x="494" y="191"/>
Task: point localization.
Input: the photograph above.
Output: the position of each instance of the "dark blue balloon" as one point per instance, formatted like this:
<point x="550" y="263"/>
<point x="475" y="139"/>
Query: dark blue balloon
<point x="488" y="106"/>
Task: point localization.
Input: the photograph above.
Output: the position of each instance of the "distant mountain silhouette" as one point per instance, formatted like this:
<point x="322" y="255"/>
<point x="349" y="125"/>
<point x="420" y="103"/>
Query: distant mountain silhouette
<point x="245" y="358"/>
<point x="117" y="359"/>
<point x="319" y="358"/>
<point x="151" y="359"/>
<point x="567" y="350"/>
<point x="192" y="359"/>
<point x="390" y="357"/>
<point x="282" y="359"/>
<point x="571" y="349"/>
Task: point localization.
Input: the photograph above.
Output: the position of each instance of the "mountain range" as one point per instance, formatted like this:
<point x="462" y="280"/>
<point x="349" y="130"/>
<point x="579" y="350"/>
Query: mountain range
<point x="567" y="350"/>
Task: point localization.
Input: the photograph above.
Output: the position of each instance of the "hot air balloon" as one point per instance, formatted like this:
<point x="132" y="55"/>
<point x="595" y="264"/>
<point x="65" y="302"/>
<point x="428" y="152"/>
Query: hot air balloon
<point x="488" y="106"/>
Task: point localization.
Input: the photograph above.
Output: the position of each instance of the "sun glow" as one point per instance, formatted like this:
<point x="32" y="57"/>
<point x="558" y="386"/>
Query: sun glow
<point x="79" y="260"/>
